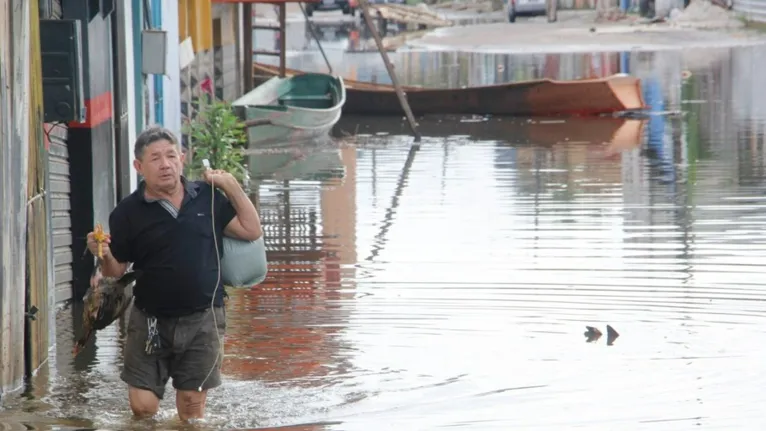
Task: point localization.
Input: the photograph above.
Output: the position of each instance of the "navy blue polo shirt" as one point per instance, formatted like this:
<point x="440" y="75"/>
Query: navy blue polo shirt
<point x="173" y="247"/>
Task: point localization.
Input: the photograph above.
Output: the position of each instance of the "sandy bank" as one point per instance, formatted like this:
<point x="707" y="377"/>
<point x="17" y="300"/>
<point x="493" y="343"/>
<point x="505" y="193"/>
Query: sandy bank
<point x="578" y="32"/>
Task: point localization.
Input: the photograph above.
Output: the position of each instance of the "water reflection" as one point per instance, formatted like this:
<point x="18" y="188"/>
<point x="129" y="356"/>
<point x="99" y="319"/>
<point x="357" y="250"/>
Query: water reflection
<point x="437" y="285"/>
<point x="294" y="320"/>
<point x="611" y="134"/>
<point x="304" y="163"/>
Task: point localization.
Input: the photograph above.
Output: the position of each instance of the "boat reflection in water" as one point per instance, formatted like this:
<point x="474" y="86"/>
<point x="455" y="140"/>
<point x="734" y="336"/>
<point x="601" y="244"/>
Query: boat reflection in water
<point x="298" y="163"/>
<point x="288" y="327"/>
<point x="610" y="135"/>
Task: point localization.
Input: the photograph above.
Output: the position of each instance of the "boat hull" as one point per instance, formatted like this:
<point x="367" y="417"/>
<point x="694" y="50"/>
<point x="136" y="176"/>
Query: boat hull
<point x="295" y="119"/>
<point x="545" y="97"/>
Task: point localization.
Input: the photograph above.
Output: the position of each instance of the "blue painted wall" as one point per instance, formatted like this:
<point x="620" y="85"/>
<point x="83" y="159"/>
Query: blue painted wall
<point x="138" y="25"/>
<point x="158" y="108"/>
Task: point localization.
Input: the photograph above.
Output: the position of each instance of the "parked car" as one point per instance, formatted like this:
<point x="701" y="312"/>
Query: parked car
<point x="525" y="8"/>
<point x="347" y="6"/>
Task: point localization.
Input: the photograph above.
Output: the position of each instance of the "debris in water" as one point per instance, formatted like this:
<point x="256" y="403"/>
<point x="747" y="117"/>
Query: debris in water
<point x="592" y="334"/>
<point x="704" y="14"/>
<point x="474" y="119"/>
<point x="611" y="335"/>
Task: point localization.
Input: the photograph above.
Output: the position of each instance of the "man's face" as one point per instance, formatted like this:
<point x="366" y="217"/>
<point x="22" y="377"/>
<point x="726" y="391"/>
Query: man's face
<point x="160" y="165"/>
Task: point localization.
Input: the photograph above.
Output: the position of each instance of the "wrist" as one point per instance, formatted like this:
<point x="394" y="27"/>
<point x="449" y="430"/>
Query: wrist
<point x="108" y="259"/>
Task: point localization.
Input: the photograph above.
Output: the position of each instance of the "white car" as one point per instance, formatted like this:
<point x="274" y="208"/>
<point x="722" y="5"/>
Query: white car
<point x="525" y="8"/>
<point x="348" y="7"/>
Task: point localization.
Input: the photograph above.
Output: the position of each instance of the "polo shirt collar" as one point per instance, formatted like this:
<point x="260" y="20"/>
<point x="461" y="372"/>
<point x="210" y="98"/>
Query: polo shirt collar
<point x="191" y="189"/>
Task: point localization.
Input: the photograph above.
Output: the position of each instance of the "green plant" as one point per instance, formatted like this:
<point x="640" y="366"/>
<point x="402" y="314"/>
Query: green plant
<point x="218" y="135"/>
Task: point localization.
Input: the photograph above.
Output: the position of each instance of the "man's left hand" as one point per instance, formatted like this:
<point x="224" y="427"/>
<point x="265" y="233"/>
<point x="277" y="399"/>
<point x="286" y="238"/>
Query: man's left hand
<point x="220" y="179"/>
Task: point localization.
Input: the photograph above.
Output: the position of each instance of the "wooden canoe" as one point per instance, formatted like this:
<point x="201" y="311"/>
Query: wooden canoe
<point x="543" y="97"/>
<point x="295" y="108"/>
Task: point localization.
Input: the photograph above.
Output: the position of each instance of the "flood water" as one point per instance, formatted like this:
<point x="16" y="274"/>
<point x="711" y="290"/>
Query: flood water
<point x="448" y="285"/>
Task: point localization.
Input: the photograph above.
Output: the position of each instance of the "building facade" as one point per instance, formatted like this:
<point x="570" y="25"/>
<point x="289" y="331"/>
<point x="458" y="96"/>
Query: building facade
<point x="58" y="179"/>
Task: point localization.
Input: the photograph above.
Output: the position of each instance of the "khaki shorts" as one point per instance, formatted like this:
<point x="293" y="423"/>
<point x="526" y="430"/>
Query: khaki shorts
<point x="189" y="348"/>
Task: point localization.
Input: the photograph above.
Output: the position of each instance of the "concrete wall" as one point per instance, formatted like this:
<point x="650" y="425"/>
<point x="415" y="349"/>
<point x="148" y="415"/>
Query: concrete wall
<point x="171" y="88"/>
<point x="214" y="72"/>
<point x="139" y="81"/>
<point x="227" y="73"/>
<point x="14" y="144"/>
<point x="125" y="84"/>
<point x="91" y="145"/>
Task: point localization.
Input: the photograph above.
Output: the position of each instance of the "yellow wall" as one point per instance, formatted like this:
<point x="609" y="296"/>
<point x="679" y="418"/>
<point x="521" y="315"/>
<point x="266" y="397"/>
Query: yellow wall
<point x="195" y="19"/>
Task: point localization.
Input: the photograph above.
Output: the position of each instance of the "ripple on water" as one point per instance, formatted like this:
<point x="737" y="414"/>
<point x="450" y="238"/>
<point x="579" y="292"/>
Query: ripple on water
<point x="449" y="285"/>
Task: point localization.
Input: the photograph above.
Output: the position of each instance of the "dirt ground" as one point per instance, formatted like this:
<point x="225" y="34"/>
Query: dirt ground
<point x="698" y="26"/>
<point x="580" y="32"/>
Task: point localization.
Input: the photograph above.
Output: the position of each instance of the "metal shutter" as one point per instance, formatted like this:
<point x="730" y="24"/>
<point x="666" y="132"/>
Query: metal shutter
<point x="61" y="221"/>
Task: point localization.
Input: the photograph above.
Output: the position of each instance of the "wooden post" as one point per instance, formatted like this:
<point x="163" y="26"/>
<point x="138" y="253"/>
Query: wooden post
<point x="390" y="69"/>
<point x="38" y="269"/>
<point x="282" y="39"/>
<point x="551" y="9"/>
<point x="14" y="153"/>
<point x="247" y="32"/>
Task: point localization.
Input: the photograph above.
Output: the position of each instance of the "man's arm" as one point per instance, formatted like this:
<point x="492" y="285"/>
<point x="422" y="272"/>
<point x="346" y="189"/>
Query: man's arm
<point x="243" y="221"/>
<point x="112" y="268"/>
<point x="115" y="263"/>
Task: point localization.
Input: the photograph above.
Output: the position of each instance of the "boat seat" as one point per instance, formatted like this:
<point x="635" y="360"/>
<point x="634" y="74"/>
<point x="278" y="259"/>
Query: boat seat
<point x="307" y="97"/>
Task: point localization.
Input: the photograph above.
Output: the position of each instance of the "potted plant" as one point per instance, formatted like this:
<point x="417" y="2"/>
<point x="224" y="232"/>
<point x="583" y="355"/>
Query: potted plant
<point x="217" y="134"/>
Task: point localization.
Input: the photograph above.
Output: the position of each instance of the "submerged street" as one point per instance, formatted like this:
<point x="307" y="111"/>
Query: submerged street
<point x="450" y="284"/>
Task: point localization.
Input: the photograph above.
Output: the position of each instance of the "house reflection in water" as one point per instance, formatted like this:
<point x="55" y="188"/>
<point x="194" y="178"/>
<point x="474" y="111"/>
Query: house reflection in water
<point x="289" y="327"/>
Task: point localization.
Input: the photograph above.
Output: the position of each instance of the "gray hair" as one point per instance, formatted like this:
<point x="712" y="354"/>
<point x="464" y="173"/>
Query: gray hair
<point x="151" y="135"/>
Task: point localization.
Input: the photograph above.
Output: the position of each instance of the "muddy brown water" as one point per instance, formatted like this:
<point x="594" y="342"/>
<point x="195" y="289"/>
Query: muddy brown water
<point x="449" y="285"/>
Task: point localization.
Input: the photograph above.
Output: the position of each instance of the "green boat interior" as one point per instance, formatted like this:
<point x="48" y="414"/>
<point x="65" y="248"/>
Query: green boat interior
<point x="313" y="91"/>
<point x="306" y="91"/>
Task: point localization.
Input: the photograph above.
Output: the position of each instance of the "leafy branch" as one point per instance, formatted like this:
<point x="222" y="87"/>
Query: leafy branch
<point x="218" y="135"/>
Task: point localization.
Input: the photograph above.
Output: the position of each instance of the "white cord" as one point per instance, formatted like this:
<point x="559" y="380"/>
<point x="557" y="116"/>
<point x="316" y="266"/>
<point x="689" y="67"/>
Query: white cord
<point x="215" y="291"/>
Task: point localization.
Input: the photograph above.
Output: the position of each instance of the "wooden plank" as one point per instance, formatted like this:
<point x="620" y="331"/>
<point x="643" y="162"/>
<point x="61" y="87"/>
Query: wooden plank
<point x="37" y="324"/>
<point x="266" y="52"/>
<point x="282" y="39"/>
<point x="247" y="43"/>
<point x="263" y="27"/>
<point x="410" y="15"/>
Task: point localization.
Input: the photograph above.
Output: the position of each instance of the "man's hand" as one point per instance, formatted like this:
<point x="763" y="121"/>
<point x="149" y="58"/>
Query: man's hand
<point x="93" y="246"/>
<point x="110" y="267"/>
<point x="246" y="225"/>
<point x="220" y="179"/>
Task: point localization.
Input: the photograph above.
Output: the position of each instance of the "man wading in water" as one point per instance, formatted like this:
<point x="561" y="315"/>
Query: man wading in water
<point x="165" y="229"/>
